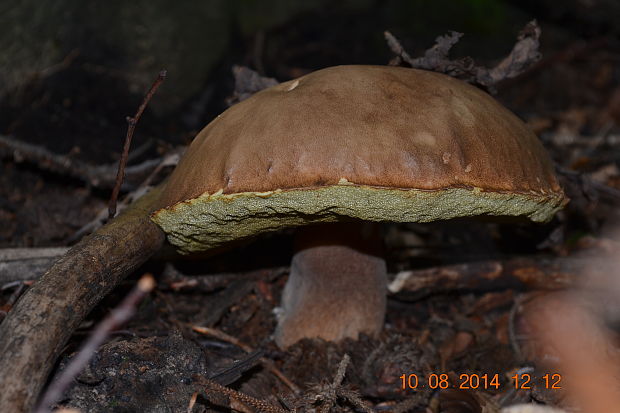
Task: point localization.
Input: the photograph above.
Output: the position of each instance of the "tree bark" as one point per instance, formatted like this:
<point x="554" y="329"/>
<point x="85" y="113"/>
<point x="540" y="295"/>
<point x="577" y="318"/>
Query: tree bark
<point x="38" y="326"/>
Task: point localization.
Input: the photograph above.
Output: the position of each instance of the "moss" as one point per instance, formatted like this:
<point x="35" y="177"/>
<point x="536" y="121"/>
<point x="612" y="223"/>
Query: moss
<point x="212" y="220"/>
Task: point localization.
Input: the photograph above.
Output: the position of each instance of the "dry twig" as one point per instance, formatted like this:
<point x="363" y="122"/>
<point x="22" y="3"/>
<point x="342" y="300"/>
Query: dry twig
<point x="192" y="402"/>
<point x="586" y="185"/>
<point x="102" y="176"/>
<point x="327" y="395"/>
<point x="177" y="281"/>
<point x="132" y="122"/>
<point x="233" y="340"/>
<point x="170" y="159"/>
<point x="524" y="53"/>
<point x="248" y="82"/>
<point x="260" y="405"/>
<point x="408" y="404"/>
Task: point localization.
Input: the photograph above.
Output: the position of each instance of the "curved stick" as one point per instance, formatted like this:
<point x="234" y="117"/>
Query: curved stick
<point x="38" y="326"/>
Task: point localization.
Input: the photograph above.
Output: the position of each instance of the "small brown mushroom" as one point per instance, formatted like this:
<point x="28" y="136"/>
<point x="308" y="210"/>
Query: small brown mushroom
<point x="352" y="144"/>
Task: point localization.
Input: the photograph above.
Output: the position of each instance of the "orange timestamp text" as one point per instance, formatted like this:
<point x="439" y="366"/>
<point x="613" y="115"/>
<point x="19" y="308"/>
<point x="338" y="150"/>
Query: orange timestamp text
<point x="523" y="381"/>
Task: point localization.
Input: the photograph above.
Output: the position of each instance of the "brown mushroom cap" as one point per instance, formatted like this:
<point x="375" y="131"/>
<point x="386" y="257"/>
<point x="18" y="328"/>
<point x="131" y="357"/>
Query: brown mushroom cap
<point x="363" y="142"/>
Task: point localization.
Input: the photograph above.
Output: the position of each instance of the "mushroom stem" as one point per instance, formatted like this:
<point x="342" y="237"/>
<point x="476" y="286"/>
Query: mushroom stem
<point x="337" y="285"/>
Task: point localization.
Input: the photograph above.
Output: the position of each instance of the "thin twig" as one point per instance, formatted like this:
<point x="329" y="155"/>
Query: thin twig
<point x="222" y="336"/>
<point x="64" y="64"/>
<point x="13" y="284"/>
<point x="328" y="395"/>
<point x="512" y="330"/>
<point x="408" y="404"/>
<point x="132" y="122"/>
<point x="116" y="318"/>
<point x="233" y="340"/>
<point x="342" y="370"/>
<point x="258" y="404"/>
<point x="16" y="294"/>
<point x="192" y="402"/>
<point x="170" y="159"/>
<point x="176" y="281"/>
<point x="355" y="399"/>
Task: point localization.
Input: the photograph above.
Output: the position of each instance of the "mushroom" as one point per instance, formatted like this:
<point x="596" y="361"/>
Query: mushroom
<point x="341" y="149"/>
<point x="336" y="151"/>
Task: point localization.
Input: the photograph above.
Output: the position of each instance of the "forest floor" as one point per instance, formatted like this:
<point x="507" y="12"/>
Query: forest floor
<point x="215" y="316"/>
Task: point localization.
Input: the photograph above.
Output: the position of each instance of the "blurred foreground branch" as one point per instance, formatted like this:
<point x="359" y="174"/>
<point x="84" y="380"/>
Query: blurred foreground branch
<point x="119" y="316"/>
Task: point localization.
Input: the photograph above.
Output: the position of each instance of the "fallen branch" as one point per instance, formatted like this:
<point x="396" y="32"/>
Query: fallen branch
<point x="22" y="264"/>
<point x="176" y="281"/>
<point x="524" y="54"/>
<point x="103" y="176"/>
<point x="520" y="273"/>
<point x="586" y="185"/>
<point x="36" y="329"/>
<point x="536" y="273"/>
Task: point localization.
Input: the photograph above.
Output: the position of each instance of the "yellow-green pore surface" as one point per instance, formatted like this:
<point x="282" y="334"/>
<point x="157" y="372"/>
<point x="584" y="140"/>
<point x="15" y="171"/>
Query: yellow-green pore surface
<point x="362" y="142"/>
<point x="210" y="221"/>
